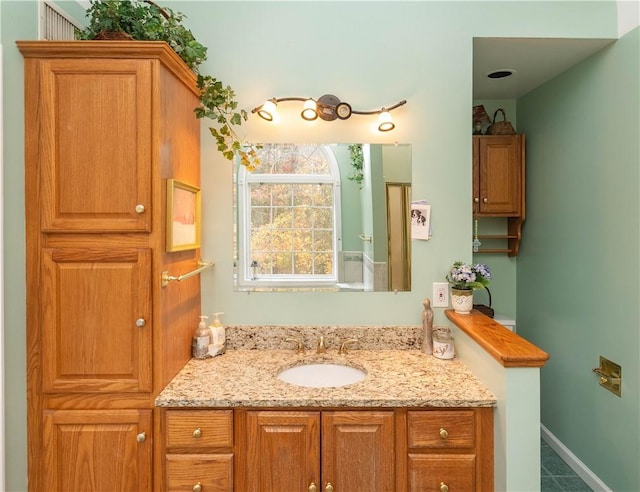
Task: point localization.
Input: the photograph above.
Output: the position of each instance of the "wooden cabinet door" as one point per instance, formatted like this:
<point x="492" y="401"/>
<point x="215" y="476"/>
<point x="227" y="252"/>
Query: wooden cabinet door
<point x="358" y="451"/>
<point x="498" y="176"/>
<point x="97" y="450"/>
<point x="95" y="144"/>
<point x="96" y="320"/>
<point x="283" y="450"/>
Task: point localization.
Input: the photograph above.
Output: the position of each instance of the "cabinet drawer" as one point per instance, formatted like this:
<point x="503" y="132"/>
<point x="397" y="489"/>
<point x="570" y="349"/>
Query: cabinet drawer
<point x="193" y="430"/>
<point x="213" y="472"/>
<point x="441" y="429"/>
<point x="441" y="472"/>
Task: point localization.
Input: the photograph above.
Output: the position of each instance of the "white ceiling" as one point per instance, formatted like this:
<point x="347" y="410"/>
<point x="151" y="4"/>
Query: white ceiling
<point x="534" y="61"/>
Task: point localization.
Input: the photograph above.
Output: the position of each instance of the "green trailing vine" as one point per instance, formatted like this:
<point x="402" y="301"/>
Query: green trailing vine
<point x="143" y="20"/>
<point x="217" y="103"/>
<point x="357" y="162"/>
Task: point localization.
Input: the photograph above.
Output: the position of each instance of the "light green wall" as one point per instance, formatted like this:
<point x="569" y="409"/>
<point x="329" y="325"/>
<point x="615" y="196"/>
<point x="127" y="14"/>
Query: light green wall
<point x="579" y="264"/>
<point x="424" y="56"/>
<point x="350" y="201"/>
<point x="378" y="205"/>
<point x="394" y="163"/>
<point x="369" y="54"/>
<point x="18" y="22"/>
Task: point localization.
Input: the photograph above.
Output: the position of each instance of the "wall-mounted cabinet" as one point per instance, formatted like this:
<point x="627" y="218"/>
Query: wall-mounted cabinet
<point x="499" y="186"/>
<point x="106" y="124"/>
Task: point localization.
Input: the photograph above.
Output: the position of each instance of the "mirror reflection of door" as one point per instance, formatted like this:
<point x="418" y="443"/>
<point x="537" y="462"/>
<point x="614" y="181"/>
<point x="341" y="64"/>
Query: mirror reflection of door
<point x="398" y="227"/>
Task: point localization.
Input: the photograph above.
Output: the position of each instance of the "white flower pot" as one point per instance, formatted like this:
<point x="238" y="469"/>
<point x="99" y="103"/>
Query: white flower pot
<point x="462" y="300"/>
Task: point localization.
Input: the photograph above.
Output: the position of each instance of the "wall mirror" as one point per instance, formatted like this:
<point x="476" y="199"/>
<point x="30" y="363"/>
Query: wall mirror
<point x="324" y="217"/>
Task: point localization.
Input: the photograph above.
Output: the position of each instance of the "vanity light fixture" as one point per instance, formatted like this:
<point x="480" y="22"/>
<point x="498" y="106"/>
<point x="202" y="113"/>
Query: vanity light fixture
<point x="327" y="108"/>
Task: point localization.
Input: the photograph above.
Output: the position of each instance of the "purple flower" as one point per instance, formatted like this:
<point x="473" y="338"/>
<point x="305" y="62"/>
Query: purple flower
<point x="482" y="270"/>
<point x="463" y="276"/>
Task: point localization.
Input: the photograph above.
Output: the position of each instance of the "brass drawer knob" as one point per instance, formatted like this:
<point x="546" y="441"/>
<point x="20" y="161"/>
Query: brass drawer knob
<point x="140" y="208"/>
<point x="197" y="487"/>
<point x="329" y="487"/>
<point x="140" y="322"/>
<point x="313" y="487"/>
<point x="197" y="432"/>
<point x="142" y="437"/>
<point x="443" y="433"/>
<point x="444" y="487"/>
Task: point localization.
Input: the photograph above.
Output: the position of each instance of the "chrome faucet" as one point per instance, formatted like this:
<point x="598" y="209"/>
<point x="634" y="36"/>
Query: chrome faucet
<point x="321" y="347"/>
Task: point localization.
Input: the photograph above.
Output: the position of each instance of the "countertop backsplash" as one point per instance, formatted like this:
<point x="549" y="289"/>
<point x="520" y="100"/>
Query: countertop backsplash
<point x="241" y="337"/>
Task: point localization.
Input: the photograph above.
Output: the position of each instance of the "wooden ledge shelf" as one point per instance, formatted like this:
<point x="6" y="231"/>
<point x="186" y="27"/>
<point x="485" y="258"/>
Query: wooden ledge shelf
<point x="508" y="348"/>
<point x="496" y="236"/>
<point x="493" y="251"/>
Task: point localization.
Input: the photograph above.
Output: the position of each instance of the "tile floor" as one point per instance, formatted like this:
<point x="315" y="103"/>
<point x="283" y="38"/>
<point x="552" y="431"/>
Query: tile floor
<point x="556" y="475"/>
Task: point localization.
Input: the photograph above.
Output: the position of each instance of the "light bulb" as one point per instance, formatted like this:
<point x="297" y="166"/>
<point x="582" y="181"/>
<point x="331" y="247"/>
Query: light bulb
<point x="385" y="122"/>
<point x="310" y="110"/>
<point x="268" y="110"/>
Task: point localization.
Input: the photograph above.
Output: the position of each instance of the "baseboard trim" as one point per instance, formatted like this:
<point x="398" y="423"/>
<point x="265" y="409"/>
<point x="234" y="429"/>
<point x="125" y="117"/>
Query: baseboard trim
<point x="590" y="478"/>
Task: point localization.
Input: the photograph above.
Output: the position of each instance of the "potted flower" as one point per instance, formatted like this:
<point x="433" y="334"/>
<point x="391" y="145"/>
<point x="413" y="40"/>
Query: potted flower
<point x="463" y="279"/>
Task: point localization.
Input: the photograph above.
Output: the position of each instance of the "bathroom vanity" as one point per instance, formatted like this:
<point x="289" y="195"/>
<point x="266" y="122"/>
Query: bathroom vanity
<point x="414" y="423"/>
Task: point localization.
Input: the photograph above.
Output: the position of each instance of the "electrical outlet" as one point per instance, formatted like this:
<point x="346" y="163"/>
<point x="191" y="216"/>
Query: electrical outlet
<point x="440" y="294"/>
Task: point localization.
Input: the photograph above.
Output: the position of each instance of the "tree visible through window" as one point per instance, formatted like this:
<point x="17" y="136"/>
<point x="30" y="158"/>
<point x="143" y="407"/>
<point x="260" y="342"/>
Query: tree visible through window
<point x="288" y="218"/>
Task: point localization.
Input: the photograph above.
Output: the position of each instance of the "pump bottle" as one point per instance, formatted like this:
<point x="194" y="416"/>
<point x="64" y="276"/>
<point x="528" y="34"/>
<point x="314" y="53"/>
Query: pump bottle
<point x="201" y="340"/>
<point x="218" y="336"/>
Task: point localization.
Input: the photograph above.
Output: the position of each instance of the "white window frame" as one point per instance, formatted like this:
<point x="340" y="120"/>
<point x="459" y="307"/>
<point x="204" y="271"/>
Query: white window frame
<point x="245" y="277"/>
<point x="44" y="18"/>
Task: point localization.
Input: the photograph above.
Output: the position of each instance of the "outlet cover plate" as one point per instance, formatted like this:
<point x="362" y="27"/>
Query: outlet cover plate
<point x="440" y="294"/>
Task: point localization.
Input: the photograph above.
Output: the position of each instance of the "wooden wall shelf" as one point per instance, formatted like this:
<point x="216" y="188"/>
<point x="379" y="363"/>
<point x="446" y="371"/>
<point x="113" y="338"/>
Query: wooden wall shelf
<point x="512" y="239"/>
<point x="499" y="188"/>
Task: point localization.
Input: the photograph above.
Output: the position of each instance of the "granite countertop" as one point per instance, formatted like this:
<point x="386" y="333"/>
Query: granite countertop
<point x="395" y="378"/>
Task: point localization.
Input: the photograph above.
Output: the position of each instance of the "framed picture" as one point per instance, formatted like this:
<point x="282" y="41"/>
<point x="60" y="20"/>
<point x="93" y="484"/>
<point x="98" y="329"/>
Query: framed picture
<point x="183" y="216"/>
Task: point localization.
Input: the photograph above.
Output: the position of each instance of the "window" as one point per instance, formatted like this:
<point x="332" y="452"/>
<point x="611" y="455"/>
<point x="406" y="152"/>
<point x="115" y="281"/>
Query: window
<point x="55" y="24"/>
<point x="288" y="217"/>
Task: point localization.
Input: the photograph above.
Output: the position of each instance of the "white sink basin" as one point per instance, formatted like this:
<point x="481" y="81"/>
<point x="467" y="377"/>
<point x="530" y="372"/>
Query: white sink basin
<point x="322" y="375"/>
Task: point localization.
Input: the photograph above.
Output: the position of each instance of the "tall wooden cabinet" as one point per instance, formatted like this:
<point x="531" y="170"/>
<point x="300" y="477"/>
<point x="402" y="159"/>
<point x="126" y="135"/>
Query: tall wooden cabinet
<point x="498" y="185"/>
<point x="106" y="124"/>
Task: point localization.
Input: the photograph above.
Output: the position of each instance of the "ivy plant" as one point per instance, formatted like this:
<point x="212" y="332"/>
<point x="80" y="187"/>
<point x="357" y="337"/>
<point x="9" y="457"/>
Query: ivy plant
<point x="218" y="103"/>
<point x="144" y="20"/>
<point x="357" y="162"/>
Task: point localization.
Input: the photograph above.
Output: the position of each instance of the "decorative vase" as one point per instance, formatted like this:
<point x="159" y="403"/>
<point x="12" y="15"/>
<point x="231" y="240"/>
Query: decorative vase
<point x="462" y="300"/>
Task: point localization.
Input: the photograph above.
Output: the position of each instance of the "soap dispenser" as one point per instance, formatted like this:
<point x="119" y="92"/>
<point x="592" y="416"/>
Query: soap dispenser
<point x="201" y="340"/>
<point x="218" y="336"/>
